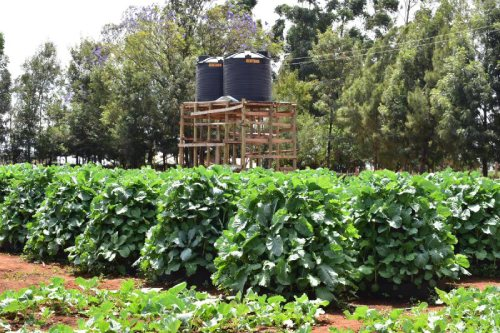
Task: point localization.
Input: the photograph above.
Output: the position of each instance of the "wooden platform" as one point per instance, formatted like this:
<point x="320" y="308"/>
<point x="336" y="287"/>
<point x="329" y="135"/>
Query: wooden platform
<point x="243" y="135"/>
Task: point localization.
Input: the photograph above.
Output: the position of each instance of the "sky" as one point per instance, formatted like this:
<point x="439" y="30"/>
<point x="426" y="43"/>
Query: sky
<point x="26" y="24"/>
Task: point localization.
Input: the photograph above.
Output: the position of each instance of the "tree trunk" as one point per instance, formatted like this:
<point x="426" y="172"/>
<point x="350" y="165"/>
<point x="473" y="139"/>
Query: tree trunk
<point x="484" y="163"/>
<point x="329" y="146"/>
<point x="150" y="157"/>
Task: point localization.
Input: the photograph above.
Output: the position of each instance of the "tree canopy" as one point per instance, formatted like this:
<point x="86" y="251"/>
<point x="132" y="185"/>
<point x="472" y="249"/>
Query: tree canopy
<point x="405" y="85"/>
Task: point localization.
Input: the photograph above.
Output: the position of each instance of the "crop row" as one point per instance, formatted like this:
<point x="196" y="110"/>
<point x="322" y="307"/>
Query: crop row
<point x="464" y="310"/>
<point x="178" y="309"/>
<point x="306" y="231"/>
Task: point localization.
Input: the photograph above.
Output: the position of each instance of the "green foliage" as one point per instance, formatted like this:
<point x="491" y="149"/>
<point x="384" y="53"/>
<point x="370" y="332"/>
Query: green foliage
<point x="177" y="309"/>
<point x="24" y="195"/>
<point x="192" y="213"/>
<point x="467" y="310"/>
<point x="290" y="235"/>
<point x="474" y="215"/>
<point x="120" y="216"/>
<point x="404" y="237"/>
<point x="302" y="232"/>
<point x="5" y="90"/>
<point x="63" y="215"/>
<point x="37" y="91"/>
<point x="7" y="174"/>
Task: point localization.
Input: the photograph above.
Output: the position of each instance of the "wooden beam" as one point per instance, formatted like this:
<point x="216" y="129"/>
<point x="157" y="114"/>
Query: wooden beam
<point x="201" y="144"/>
<point x="215" y="124"/>
<point x="266" y="141"/>
<point x="214" y="111"/>
<point x="270" y="156"/>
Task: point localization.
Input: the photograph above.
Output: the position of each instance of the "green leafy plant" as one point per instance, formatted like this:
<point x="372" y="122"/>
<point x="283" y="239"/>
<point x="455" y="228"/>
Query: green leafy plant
<point x="290" y="235"/>
<point x="119" y="218"/>
<point x="466" y="310"/>
<point x="404" y="238"/>
<point x="7" y="174"/>
<point x="193" y="212"/>
<point x="25" y="194"/>
<point x="474" y="216"/>
<point x="63" y="214"/>
<point x="177" y="309"/>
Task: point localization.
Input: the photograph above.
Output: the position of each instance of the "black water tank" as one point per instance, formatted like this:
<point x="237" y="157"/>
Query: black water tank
<point x="209" y="78"/>
<point x="248" y="75"/>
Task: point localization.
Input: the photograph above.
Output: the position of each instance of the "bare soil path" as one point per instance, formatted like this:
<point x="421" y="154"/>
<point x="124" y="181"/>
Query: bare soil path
<point x="15" y="273"/>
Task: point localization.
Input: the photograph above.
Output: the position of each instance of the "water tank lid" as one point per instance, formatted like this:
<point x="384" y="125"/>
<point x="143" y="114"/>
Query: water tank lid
<point x="246" y="54"/>
<point x="227" y="99"/>
<point x="211" y="60"/>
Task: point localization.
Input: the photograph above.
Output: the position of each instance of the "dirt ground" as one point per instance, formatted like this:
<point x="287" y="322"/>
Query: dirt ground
<point x="15" y="273"/>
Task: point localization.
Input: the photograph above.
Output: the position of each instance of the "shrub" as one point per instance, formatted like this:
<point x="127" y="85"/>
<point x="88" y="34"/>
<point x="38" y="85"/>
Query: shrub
<point x="404" y="237"/>
<point x="25" y="194"/>
<point x="63" y="214"/>
<point x="119" y="218"/>
<point x="474" y="216"/>
<point x="7" y="174"/>
<point x="193" y="212"/>
<point x="290" y="235"/>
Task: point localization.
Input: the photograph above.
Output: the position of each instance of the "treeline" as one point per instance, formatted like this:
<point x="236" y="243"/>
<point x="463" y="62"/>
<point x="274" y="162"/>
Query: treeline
<point x="405" y="85"/>
<point x="418" y="96"/>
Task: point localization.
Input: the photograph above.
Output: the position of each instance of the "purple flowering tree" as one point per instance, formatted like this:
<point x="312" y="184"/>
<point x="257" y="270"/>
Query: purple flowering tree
<point x="228" y="28"/>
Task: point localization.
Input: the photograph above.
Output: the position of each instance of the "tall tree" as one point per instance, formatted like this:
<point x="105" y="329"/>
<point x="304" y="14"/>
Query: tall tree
<point x="5" y="95"/>
<point x="311" y="17"/>
<point x="88" y="94"/>
<point x="486" y="20"/>
<point x="35" y="90"/>
<point x="335" y="70"/>
<point x="463" y="96"/>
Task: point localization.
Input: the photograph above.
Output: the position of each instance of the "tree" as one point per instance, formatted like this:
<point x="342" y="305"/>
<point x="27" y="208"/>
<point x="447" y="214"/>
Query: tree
<point x="335" y="71"/>
<point x="487" y="14"/>
<point x="316" y="17"/>
<point x="406" y="119"/>
<point x="462" y="96"/>
<point x="155" y="52"/>
<point x="358" y="113"/>
<point x="311" y="131"/>
<point x="35" y="90"/>
<point x="230" y="28"/>
<point x="5" y="94"/>
<point x="247" y="5"/>
<point x="88" y="94"/>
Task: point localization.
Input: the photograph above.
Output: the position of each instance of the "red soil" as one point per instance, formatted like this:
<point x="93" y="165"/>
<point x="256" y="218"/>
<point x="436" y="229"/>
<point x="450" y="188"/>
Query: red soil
<point x="15" y="273"/>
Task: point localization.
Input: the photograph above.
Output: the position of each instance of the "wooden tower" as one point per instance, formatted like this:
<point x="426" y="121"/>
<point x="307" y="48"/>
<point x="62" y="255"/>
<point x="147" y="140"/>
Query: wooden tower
<point x="240" y="134"/>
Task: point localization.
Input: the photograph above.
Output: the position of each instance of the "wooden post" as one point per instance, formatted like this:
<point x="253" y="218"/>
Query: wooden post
<point x="209" y="136"/>
<point x="181" y="138"/>
<point x="270" y="132"/>
<point x="195" y="138"/>
<point x="243" y="136"/>
<point x="278" y="150"/>
<point x="226" y="139"/>
<point x="234" y="136"/>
